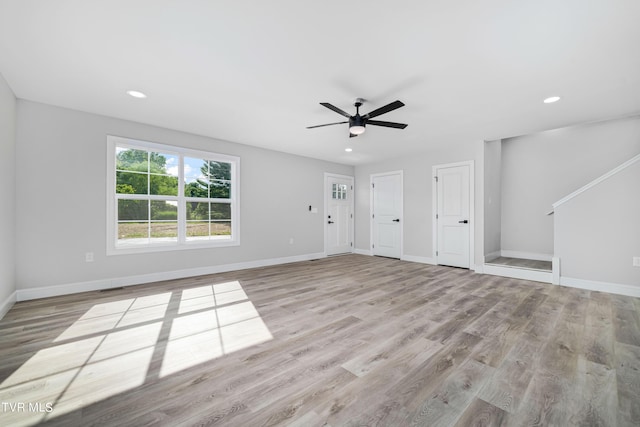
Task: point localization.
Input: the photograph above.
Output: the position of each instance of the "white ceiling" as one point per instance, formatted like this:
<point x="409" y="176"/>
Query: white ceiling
<point x="254" y="71"/>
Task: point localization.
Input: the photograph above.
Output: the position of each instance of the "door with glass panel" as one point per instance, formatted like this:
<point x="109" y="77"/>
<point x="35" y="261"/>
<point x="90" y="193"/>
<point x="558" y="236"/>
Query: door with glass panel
<point x="339" y="214"/>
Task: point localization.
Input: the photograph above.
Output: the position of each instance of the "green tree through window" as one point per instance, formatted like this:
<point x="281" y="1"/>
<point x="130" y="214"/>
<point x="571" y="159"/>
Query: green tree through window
<point x="213" y="182"/>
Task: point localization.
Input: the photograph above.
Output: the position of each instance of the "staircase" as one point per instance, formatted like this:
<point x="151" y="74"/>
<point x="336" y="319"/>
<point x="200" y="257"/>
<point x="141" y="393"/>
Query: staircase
<point x="596" y="236"/>
<point x="597" y="233"/>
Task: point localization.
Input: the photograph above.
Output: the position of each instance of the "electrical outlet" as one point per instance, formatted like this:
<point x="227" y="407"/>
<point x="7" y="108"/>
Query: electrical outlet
<point x="636" y="261"/>
<point x="291" y="241"/>
<point x="88" y="257"/>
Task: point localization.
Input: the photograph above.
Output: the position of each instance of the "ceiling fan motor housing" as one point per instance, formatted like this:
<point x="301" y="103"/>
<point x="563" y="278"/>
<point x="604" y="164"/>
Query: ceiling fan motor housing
<point x="356" y="120"/>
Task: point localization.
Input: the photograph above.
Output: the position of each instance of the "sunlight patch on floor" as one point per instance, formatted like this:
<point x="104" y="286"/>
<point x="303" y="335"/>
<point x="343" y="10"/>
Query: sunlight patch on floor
<point x="229" y="322"/>
<point x="78" y="373"/>
<point x="115" y="314"/>
<point x="109" y="349"/>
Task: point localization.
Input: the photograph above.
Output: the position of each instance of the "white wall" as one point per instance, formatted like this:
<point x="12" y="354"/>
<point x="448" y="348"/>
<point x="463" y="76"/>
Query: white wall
<point x="417" y="198"/>
<point x="7" y="193"/>
<point x="598" y="233"/>
<point x="540" y="169"/>
<point x="61" y="201"/>
<point x="492" y="197"/>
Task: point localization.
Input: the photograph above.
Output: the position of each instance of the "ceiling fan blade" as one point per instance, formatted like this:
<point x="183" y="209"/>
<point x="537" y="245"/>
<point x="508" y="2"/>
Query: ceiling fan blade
<point x="336" y="109"/>
<point x="387" y="124"/>
<point x="352" y="135"/>
<point x="389" y="107"/>
<point x="328" y="124"/>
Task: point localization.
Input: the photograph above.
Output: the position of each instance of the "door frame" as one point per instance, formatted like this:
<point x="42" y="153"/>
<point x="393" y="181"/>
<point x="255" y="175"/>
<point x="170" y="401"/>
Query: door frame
<point x="325" y="213"/>
<point x="472" y="219"/>
<point x="371" y="177"/>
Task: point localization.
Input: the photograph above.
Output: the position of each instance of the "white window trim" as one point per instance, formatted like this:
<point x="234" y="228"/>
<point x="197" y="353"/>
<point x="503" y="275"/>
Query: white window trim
<point x="181" y="244"/>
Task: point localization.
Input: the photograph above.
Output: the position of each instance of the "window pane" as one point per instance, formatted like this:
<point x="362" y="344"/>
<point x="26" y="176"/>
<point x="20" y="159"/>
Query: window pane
<point x="132" y="160"/>
<point x="131" y="183"/>
<point x="164" y="210"/>
<point x="196" y="173"/>
<point x="221" y="228"/>
<point x="164" y="185"/>
<point x="219" y="170"/>
<point x="220" y="189"/>
<point x="220" y="211"/>
<point x="162" y="163"/>
<point x="163" y="231"/>
<point x="342" y="191"/>
<point x="196" y="188"/>
<point x="197" y="211"/>
<point x="133" y="230"/>
<point x="133" y="210"/>
<point x="197" y="229"/>
<point x="196" y="168"/>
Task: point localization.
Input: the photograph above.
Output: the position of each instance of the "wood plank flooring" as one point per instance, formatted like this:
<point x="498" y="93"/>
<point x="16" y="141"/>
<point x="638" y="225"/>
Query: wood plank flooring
<point x="342" y="341"/>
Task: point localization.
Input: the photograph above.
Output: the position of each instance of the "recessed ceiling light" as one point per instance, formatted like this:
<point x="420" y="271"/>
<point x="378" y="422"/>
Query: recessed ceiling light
<point x="348" y="150"/>
<point x="136" y="94"/>
<point x="551" y="99"/>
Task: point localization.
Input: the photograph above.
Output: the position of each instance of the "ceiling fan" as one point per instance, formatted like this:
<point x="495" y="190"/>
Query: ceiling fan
<point x="357" y="123"/>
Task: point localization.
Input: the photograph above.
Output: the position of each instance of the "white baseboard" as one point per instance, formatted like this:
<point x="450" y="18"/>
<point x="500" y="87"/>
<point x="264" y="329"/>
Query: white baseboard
<point x="492" y="256"/>
<point x="6" y="305"/>
<point x="555" y="270"/>
<point x="479" y="268"/>
<point x="591" y="285"/>
<point x="518" y="273"/>
<point x="363" y="252"/>
<point x="526" y="255"/>
<point x="409" y="258"/>
<point x="96" y="285"/>
<point x="420" y="259"/>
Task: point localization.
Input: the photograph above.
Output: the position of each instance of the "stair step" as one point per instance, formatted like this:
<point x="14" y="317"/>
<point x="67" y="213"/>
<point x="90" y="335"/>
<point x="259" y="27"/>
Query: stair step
<point x="545" y="270"/>
<point x="521" y="263"/>
<point x="518" y="272"/>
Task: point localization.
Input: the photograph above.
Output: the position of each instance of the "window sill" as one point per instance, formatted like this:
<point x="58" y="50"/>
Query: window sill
<point x="168" y="247"/>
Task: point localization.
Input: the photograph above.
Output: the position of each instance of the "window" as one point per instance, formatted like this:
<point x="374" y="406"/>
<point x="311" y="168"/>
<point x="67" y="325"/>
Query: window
<point x="165" y="198"/>
<point x="339" y="191"/>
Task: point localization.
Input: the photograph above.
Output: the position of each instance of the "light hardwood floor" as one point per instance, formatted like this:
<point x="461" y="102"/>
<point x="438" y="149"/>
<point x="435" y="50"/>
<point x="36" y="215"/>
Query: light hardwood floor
<point x="350" y="340"/>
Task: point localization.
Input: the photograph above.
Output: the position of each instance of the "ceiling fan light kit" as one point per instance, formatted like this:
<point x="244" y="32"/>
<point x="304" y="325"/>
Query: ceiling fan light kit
<point x="357" y="123"/>
<point x="356" y="130"/>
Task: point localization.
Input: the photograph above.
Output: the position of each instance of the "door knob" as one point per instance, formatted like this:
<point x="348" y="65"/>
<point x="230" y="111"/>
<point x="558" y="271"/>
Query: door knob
<point x="396" y="220"/>
<point x="329" y="222"/>
<point x="463" y="222"/>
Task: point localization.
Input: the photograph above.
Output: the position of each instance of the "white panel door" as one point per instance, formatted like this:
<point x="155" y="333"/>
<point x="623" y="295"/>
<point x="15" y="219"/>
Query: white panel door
<point x="453" y="240"/>
<point x="387" y="211"/>
<point x="339" y="221"/>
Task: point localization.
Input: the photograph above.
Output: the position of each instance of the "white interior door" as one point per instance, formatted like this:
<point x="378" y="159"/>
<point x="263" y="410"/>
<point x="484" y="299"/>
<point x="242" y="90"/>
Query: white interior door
<point x="339" y="220"/>
<point x="453" y="216"/>
<point x="387" y="215"/>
